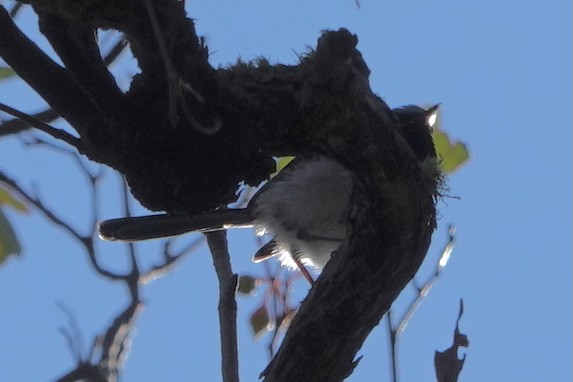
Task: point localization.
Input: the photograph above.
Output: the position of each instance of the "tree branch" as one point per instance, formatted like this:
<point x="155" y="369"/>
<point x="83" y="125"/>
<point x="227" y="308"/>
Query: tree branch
<point x="395" y="332"/>
<point x="75" y="43"/>
<point x="227" y="305"/>
<point x="52" y="131"/>
<point x="169" y="260"/>
<point x="41" y="207"/>
<point x="423" y="292"/>
<point x="15" y="126"/>
<point x="50" y="80"/>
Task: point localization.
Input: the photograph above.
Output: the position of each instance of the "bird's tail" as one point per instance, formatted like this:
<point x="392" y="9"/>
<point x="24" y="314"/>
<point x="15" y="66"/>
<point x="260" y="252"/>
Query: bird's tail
<point x="163" y="225"/>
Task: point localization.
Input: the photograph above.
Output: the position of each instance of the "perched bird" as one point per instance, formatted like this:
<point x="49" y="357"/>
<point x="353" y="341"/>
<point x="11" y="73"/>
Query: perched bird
<point x="305" y="207"/>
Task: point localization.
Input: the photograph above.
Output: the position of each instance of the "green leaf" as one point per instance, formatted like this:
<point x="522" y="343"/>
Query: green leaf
<point x="9" y="245"/>
<point x="282" y="162"/>
<point x="260" y="322"/>
<point x="452" y="155"/>
<point x="6" y="73"/>
<point x="7" y="199"/>
<point x="247" y="284"/>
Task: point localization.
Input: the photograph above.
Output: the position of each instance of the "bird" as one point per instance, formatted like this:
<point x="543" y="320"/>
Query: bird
<point x="304" y="208"/>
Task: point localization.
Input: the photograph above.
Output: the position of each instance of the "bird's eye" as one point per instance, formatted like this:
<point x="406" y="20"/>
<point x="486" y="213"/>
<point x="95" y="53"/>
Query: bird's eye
<point x="432" y="118"/>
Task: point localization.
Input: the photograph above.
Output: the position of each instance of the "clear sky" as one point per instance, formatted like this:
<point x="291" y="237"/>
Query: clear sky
<point x="502" y="71"/>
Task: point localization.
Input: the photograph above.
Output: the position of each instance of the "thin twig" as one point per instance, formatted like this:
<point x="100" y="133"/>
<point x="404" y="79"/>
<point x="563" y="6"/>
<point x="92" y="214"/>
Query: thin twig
<point x="274" y="299"/>
<point x="86" y="241"/>
<point x="15" y="125"/>
<point x="130" y="246"/>
<point x="74" y="336"/>
<point x="115" y="51"/>
<point x="170" y="259"/>
<point x="422" y="293"/>
<point x="393" y="347"/>
<point x="52" y="131"/>
<point x="115" y="344"/>
<point x="16" y="9"/>
<point x="172" y="77"/>
<point x="278" y="294"/>
<point x="227" y="305"/>
<point x="40" y="206"/>
<point x="32" y="140"/>
<point x="93" y="177"/>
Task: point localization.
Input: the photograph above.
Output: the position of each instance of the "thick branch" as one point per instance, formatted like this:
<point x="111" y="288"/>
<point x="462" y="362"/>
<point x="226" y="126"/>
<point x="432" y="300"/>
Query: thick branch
<point x="76" y="44"/>
<point x="393" y="215"/>
<point x="50" y="80"/>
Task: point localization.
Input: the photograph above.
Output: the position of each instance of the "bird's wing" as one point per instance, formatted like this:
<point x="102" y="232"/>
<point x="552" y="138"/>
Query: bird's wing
<point x="266" y="251"/>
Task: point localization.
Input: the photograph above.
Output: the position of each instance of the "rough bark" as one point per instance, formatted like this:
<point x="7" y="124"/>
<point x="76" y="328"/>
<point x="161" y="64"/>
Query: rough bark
<point x="324" y="105"/>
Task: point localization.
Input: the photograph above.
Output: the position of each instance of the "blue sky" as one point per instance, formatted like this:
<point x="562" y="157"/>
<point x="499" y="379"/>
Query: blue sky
<point x="502" y="72"/>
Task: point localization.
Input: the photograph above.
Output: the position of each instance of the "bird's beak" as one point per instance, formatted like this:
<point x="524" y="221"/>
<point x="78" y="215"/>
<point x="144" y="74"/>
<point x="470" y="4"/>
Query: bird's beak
<point x="431" y="110"/>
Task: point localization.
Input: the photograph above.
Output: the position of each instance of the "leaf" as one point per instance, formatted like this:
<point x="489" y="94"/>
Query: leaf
<point x="448" y="365"/>
<point x="260" y="322"/>
<point x="6" y="73"/>
<point x="9" y="244"/>
<point x="452" y="155"/>
<point x="6" y="198"/>
<point x="247" y="284"/>
<point x="282" y="162"/>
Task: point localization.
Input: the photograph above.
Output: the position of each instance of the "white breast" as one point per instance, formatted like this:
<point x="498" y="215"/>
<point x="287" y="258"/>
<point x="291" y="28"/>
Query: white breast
<point x="306" y="209"/>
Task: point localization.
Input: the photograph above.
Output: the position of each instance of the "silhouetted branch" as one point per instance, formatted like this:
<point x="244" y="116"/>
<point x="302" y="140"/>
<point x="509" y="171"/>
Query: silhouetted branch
<point x="75" y="43"/>
<point x="86" y="241"/>
<point x="281" y="312"/>
<point x="41" y="207"/>
<point x="56" y="85"/>
<point x="395" y="333"/>
<point x="15" y="126"/>
<point x="49" y="115"/>
<point x="52" y="131"/>
<point x="423" y="292"/>
<point x="115" y="51"/>
<point x="16" y="9"/>
<point x="84" y="372"/>
<point x="72" y="334"/>
<point x="227" y="305"/>
<point x="393" y="347"/>
<point x="116" y="341"/>
<point x="114" y="344"/>
<point x="170" y="259"/>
